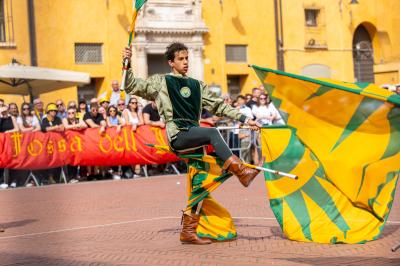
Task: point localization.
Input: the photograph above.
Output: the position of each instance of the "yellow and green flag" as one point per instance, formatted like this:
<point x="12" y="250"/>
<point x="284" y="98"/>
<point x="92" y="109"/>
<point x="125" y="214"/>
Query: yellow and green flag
<point x="137" y="5"/>
<point x="343" y="141"/>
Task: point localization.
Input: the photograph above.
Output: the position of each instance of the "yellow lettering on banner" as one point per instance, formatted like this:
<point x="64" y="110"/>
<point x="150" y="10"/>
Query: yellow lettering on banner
<point x="110" y="143"/>
<point x="76" y="144"/>
<point x="134" y="148"/>
<point x="35" y="147"/>
<point x="50" y="147"/>
<point x="62" y="145"/>
<point x="126" y="139"/>
<point x="16" y="137"/>
<point x="159" y="137"/>
<point x="118" y="140"/>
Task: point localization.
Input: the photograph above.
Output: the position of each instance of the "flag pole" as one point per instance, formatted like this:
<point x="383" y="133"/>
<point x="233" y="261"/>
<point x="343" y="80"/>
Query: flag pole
<point x="137" y="4"/>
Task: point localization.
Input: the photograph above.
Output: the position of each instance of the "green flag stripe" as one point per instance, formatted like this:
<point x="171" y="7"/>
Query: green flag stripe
<point x="298" y="207"/>
<point x="366" y="108"/>
<point x="139" y="4"/>
<point x="321" y="197"/>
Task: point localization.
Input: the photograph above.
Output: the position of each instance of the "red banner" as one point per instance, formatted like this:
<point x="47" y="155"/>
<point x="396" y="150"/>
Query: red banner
<point x="39" y="150"/>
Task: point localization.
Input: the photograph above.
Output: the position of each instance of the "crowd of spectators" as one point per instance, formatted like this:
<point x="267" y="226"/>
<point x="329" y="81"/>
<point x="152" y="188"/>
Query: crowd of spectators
<point x="115" y="109"/>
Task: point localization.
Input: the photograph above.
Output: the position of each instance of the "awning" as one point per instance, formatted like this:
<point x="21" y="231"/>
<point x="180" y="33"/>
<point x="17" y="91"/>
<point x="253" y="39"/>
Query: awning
<point x="29" y="80"/>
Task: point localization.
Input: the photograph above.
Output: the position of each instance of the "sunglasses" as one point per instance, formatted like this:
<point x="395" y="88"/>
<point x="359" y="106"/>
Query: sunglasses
<point x="26" y="109"/>
<point x="263" y="98"/>
<point x="95" y="110"/>
<point x="71" y="113"/>
<point x="133" y="102"/>
<point x="120" y="104"/>
<point x="112" y="111"/>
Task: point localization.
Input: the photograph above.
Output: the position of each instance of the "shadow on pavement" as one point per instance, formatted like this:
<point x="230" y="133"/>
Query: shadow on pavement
<point x="353" y="261"/>
<point x="18" y="223"/>
<point x="30" y="259"/>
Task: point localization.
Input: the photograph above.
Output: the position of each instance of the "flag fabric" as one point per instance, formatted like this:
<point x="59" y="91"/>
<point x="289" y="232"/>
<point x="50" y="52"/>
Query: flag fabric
<point x="137" y="5"/>
<point x="343" y="141"/>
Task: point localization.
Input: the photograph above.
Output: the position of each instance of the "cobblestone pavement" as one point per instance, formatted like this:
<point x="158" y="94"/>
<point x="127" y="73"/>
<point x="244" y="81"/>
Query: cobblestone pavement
<point x="136" y="222"/>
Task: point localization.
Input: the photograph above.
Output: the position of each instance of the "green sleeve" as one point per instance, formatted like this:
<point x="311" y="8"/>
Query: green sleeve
<point x="217" y="106"/>
<point x="147" y="89"/>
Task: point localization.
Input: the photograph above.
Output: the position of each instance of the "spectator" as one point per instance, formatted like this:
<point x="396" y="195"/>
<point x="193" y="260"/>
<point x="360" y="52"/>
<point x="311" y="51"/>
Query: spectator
<point x="26" y="121"/>
<point x="114" y="94"/>
<point x="94" y="100"/>
<point x="132" y="115"/>
<point x="8" y="123"/>
<point x="52" y="123"/>
<point x="1" y="102"/>
<point x="134" y="118"/>
<point x="114" y="119"/>
<point x="82" y="110"/>
<point x="121" y="107"/>
<point x="266" y="112"/>
<point x="72" y="122"/>
<point x="71" y="104"/>
<point x="95" y="120"/>
<point x="105" y="103"/>
<point x="103" y="112"/>
<point x="227" y="98"/>
<point x="61" y="113"/>
<point x="398" y="89"/>
<point x="244" y="135"/>
<point x="38" y="109"/>
<point x="256" y="92"/>
<point x="151" y="115"/>
<point x="13" y="110"/>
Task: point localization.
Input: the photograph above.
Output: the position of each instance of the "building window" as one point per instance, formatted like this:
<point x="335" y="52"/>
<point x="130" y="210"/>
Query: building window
<point x="88" y="53"/>
<point x="6" y="22"/>
<point x="312" y="17"/>
<point x="236" y="53"/>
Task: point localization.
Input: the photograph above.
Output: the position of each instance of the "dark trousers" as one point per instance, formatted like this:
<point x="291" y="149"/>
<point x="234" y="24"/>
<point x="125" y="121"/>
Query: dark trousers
<point x="196" y="137"/>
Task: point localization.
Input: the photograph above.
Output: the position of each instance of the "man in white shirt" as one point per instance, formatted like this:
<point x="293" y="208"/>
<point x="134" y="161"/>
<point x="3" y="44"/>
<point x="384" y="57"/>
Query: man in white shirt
<point x="114" y="95"/>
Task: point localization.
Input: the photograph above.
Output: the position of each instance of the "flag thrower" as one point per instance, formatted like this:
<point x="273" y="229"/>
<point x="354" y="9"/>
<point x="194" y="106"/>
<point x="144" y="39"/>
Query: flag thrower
<point x="137" y="5"/>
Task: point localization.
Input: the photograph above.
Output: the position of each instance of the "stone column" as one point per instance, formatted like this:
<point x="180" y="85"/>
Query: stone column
<point x="198" y="71"/>
<point x="141" y="63"/>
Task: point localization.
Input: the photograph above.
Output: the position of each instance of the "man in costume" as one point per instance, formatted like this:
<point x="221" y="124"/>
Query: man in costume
<point x="180" y="100"/>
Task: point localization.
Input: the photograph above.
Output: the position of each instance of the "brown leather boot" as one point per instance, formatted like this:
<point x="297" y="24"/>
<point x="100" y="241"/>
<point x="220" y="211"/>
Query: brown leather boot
<point x="245" y="174"/>
<point x="188" y="234"/>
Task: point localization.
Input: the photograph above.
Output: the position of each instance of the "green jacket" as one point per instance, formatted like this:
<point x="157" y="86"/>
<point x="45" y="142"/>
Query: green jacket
<point x="155" y="89"/>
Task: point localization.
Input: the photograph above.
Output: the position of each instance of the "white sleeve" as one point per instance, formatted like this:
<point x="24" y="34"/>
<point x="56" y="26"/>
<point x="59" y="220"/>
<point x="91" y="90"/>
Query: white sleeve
<point x="19" y="120"/>
<point x="35" y="121"/>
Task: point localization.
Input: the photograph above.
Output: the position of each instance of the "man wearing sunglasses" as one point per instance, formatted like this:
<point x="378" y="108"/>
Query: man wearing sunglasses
<point x="179" y="100"/>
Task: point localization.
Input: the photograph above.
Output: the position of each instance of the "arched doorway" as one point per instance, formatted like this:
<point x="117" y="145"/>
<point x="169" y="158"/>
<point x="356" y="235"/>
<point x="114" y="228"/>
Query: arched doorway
<point x="363" y="56"/>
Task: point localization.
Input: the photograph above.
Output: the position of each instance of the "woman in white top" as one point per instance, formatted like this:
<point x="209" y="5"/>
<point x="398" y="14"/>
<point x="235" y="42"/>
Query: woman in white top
<point x="134" y="118"/>
<point x="132" y="115"/>
<point x="265" y="111"/>
<point x="26" y="121"/>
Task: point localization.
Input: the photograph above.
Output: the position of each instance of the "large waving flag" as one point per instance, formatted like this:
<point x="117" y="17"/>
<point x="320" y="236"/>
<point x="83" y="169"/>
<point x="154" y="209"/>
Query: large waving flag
<point x="343" y="141"/>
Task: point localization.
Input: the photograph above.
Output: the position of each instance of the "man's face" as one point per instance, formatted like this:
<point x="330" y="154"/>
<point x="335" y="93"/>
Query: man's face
<point x="256" y="93"/>
<point x="121" y="105"/>
<point x="60" y="106"/>
<point x="398" y="90"/>
<point x="1" y="103"/>
<point x="180" y="64"/>
<point x="94" y="111"/>
<point x="154" y="105"/>
<point x="115" y="85"/>
<point x="39" y="106"/>
<point x="13" y="110"/>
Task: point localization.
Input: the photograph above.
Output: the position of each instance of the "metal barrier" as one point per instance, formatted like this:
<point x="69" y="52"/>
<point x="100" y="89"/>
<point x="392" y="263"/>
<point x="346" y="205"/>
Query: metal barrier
<point x="240" y="147"/>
